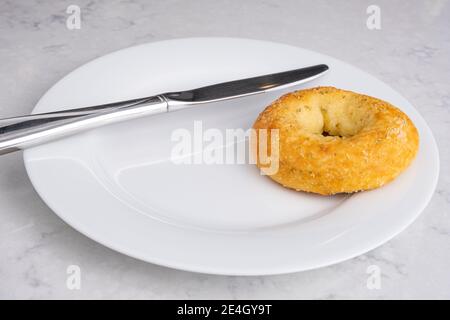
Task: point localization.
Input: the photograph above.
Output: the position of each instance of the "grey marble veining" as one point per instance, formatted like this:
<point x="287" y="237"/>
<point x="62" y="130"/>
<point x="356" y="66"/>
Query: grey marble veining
<point x="411" y="53"/>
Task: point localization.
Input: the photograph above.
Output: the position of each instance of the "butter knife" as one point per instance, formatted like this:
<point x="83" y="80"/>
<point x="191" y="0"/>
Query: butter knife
<point x="18" y="133"/>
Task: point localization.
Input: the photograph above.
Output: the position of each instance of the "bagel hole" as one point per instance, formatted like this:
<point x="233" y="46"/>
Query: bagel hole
<point x="327" y="134"/>
<point x="343" y="119"/>
<point x="328" y="117"/>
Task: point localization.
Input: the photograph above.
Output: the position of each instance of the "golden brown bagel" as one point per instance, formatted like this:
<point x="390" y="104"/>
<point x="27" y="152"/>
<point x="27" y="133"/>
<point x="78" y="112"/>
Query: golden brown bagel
<point x="334" y="141"/>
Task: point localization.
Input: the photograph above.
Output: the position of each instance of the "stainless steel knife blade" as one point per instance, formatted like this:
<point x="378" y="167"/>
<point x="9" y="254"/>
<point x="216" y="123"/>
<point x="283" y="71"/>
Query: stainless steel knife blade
<point x="245" y="87"/>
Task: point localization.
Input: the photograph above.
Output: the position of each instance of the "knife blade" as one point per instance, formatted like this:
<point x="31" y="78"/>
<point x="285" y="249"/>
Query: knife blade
<point x="245" y="87"/>
<point x="26" y="131"/>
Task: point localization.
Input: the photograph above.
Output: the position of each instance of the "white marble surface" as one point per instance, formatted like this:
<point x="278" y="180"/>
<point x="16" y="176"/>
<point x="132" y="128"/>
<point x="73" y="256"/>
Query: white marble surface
<point x="411" y="53"/>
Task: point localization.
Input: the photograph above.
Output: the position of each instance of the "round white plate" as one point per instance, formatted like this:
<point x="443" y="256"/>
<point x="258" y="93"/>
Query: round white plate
<point x="118" y="185"/>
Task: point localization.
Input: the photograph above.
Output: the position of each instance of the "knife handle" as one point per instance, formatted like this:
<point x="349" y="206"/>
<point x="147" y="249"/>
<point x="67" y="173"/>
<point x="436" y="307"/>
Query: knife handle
<point x="22" y="132"/>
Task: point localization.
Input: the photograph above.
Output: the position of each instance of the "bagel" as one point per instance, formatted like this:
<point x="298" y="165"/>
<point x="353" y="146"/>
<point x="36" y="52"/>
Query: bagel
<point x="336" y="141"/>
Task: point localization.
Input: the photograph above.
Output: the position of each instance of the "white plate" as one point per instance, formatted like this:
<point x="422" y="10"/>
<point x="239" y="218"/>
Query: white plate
<point x="117" y="185"/>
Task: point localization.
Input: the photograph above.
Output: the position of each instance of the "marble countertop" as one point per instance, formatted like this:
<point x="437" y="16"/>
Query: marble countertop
<point x="410" y="52"/>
